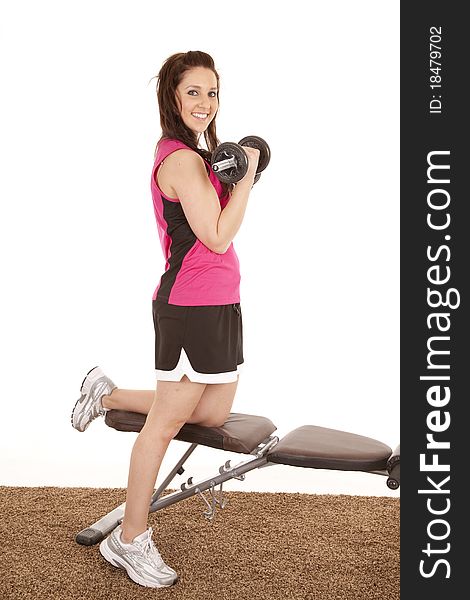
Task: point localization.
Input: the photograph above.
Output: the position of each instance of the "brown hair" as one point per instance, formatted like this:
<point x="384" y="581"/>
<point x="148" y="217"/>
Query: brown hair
<point x="173" y="127"/>
<point x="169" y="78"/>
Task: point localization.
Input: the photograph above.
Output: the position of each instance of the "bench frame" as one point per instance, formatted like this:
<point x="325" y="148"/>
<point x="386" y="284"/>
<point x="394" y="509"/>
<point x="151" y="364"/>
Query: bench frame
<point x="259" y="458"/>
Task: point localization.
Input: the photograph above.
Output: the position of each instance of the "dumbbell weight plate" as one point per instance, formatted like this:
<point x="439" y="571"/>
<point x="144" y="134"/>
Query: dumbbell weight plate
<point x="226" y="151"/>
<point x="257" y="176"/>
<point x="254" y="141"/>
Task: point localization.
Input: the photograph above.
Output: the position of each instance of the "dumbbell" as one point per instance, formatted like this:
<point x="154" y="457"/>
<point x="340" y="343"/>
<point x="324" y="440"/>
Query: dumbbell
<point x="230" y="162"/>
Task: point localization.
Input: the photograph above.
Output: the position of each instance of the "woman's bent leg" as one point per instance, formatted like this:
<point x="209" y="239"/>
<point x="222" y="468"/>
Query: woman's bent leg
<point x="139" y="401"/>
<point x="173" y="404"/>
<point x="215" y="405"/>
<point x="212" y="410"/>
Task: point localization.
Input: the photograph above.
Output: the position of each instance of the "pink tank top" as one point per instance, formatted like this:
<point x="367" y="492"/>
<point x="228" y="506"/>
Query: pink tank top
<point x="194" y="275"/>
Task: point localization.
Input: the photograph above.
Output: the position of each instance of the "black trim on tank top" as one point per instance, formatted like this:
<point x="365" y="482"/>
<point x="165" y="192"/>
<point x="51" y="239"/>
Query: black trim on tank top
<point x="182" y="240"/>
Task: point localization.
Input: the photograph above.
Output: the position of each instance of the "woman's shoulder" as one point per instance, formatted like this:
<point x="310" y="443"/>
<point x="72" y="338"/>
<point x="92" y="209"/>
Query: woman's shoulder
<point x="176" y="161"/>
<point x="184" y="162"/>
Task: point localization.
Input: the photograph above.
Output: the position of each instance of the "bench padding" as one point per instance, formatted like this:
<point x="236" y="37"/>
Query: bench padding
<point x="323" y="448"/>
<point x="240" y="433"/>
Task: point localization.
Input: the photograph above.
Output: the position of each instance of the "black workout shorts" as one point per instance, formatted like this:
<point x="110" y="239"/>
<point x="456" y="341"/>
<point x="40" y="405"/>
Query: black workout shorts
<point x="203" y="342"/>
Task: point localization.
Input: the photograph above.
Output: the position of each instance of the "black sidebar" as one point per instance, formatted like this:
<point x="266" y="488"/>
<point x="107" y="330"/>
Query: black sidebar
<point x="434" y="305"/>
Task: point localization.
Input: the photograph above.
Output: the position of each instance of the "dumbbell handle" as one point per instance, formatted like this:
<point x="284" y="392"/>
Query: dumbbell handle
<point x="222" y="165"/>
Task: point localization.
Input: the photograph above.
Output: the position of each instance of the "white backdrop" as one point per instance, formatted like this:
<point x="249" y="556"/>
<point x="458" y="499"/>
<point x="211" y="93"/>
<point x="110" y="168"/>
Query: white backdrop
<point x="319" y="246"/>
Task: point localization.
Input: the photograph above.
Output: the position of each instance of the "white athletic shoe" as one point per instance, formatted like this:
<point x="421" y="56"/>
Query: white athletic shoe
<point x="140" y="558"/>
<point x="89" y="405"/>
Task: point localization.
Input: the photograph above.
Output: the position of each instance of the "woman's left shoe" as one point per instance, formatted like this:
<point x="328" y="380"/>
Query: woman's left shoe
<point x="141" y="559"/>
<point x="89" y="405"/>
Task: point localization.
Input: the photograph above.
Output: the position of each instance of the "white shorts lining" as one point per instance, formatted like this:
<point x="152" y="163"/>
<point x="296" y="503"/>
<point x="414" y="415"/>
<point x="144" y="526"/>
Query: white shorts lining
<point x="184" y="367"/>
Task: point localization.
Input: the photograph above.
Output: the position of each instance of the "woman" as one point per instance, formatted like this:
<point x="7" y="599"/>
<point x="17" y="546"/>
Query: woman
<point x="196" y="305"/>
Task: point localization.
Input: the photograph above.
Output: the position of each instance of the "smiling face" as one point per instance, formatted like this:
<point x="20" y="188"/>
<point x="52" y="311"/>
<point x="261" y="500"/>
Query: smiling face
<point x="196" y="97"/>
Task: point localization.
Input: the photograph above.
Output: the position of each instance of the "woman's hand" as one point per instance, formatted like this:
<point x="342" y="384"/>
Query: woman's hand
<point x="253" y="158"/>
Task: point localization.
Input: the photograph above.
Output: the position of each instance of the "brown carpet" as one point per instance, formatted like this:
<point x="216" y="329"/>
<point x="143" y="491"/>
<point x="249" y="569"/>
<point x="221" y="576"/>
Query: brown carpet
<point x="261" y="545"/>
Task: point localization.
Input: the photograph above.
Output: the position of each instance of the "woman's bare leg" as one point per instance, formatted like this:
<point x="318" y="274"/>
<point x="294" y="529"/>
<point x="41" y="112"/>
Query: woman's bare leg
<point x="139" y="401"/>
<point x="216" y="401"/>
<point x="214" y="407"/>
<point x="173" y="405"/>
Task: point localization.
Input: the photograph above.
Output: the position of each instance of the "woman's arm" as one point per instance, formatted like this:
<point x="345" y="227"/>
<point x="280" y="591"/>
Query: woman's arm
<point x="216" y="228"/>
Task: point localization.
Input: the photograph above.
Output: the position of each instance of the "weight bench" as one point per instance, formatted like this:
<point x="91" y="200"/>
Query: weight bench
<point x="307" y="446"/>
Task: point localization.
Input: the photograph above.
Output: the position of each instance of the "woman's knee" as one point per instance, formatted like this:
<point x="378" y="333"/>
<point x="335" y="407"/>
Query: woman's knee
<point x="164" y="432"/>
<point x="163" y="426"/>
